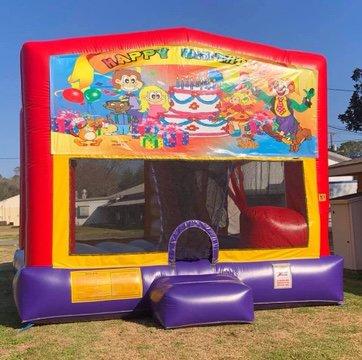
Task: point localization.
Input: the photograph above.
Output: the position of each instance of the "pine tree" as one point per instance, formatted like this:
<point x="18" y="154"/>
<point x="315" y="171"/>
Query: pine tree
<point x="352" y="117"/>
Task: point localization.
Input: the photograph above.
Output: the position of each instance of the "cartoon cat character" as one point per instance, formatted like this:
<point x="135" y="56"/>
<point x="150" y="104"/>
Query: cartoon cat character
<point x="88" y="132"/>
<point x="237" y="109"/>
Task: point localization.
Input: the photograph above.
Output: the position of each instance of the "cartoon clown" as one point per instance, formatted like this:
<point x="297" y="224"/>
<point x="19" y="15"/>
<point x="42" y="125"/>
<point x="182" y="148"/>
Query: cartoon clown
<point x="287" y="127"/>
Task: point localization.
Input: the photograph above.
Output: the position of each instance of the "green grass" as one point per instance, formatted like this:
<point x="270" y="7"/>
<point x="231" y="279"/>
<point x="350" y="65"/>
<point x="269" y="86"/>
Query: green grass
<point x="9" y="232"/>
<point x="324" y="332"/>
<point x="83" y="233"/>
<point x="88" y="233"/>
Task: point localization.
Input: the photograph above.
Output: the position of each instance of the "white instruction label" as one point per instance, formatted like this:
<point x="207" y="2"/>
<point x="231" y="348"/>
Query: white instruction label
<point x="282" y="276"/>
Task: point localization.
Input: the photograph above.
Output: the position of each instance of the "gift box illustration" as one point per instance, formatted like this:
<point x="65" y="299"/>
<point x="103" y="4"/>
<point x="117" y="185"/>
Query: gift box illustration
<point x="65" y="121"/>
<point x="173" y="136"/>
<point x="151" y="141"/>
<point x="149" y="126"/>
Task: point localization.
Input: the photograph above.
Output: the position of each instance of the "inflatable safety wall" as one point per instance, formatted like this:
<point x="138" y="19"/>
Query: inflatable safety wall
<point x="139" y="149"/>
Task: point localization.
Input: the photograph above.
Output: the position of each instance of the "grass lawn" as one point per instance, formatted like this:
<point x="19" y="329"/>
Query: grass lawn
<point x="328" y="332"/>
<point x="9" y="232"/>
<point x="83" y="233"/>
<point x="89" y="233"/>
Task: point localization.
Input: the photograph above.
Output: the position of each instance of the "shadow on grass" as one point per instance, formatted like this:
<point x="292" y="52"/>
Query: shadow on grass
<point x="353" y="284"/>
<point x="8" y="312"/>
<point x="144" y="319"/>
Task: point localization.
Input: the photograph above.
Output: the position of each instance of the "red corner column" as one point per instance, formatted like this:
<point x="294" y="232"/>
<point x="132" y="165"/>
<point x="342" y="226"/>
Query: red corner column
<point x="22" y="184"/>
<point x="322" y="161"/>
<point x="37" y="166"/>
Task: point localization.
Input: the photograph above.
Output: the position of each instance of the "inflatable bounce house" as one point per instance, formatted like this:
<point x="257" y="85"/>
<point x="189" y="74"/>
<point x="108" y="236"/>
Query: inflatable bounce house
<point x="172" y="172"/>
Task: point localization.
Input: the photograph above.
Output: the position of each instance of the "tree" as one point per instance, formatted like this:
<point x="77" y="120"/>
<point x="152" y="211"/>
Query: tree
<point x="352" y="149"/>
<point x="103" y="177"/>
<point x="9" y="187"/>
<point x="97" y="177"/>
<point x="126" y="179"/>
<point x="352" y="117"/>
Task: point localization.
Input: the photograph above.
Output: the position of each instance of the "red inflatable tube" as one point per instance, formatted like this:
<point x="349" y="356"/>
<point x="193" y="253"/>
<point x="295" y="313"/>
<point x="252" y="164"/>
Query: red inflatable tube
<point x="22" y="184"/>
<point x="270" y="227"/>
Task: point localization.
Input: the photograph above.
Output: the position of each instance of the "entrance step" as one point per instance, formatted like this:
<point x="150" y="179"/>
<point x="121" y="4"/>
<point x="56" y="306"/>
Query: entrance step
<point x="188" y="300"/>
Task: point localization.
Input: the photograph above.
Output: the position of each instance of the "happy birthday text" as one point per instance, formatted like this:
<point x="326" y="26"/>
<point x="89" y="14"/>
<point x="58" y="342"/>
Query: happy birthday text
<point x="163" y="53"/>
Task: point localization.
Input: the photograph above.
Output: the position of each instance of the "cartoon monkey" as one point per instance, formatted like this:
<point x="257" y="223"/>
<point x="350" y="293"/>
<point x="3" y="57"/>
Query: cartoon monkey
<point x="87" y="132"/>
<point x="287" y="127"/>
<point x="128" y="82"/>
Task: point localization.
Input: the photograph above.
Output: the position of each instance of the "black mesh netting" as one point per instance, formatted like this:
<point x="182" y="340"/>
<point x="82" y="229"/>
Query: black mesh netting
<point x="125" y="206"/>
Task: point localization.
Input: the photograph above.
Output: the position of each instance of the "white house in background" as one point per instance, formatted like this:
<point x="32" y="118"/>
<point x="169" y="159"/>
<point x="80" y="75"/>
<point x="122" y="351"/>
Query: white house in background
<point x="127" y="203"/>
<point x="122" y="207"/>
<point x="9" y="211"/>
<point x="340" y="185"/>
<point x="85" y="208"/>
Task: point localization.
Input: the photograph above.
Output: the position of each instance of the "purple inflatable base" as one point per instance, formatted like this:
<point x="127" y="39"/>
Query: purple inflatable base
<point x="43" y="294"/>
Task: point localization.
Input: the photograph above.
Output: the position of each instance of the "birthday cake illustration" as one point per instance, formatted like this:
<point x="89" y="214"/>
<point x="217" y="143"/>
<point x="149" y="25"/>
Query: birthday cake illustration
<point x="195" y="107"/>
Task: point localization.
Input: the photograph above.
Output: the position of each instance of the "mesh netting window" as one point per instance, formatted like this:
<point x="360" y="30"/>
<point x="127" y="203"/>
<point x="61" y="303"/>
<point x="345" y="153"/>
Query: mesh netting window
<point x="126" y="206"/>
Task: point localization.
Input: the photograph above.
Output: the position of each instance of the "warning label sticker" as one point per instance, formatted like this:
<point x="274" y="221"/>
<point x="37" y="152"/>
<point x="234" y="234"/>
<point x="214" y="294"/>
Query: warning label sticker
<point x="103" y="285"/>
<point x="282" y="276"/>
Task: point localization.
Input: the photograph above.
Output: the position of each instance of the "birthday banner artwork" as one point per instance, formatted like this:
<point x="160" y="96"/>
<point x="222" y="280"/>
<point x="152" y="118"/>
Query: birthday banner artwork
<point x="181" y="102"/>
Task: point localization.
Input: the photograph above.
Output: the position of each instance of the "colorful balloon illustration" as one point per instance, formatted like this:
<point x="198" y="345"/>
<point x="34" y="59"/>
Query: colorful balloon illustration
<point x="92" y="94"/>
<point x="73" y="95"/>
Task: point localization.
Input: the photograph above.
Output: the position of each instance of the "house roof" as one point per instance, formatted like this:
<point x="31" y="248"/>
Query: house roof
<point x="130" y="191"/>
<point x="350" y="167"/>
<point x="17" y="197"/>
<point x="337" y="157"/>
<point x="119" y="195"/>
<point x="127" y="202"/>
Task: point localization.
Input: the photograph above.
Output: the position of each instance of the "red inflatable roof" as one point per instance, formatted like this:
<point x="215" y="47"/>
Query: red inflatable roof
<point x="36" y="158"/>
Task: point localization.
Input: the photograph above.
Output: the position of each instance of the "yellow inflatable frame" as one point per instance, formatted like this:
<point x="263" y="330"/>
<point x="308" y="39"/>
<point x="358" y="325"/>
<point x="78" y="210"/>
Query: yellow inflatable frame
<point x="62" y="257"/>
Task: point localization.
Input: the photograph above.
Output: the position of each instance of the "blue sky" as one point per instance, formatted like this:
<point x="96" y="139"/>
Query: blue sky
<point x="331" y="28"/>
